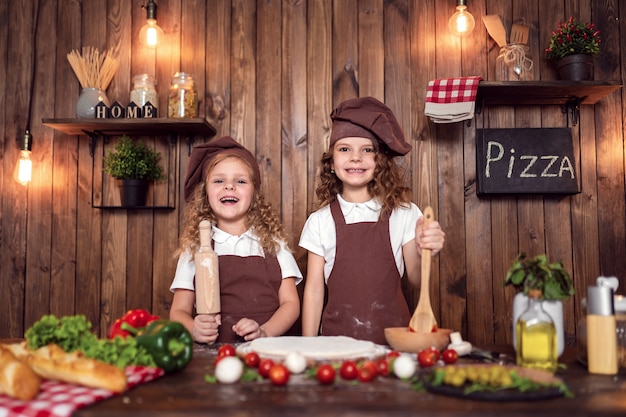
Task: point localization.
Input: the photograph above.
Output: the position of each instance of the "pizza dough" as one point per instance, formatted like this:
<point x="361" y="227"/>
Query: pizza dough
<point x="314" y="348"/>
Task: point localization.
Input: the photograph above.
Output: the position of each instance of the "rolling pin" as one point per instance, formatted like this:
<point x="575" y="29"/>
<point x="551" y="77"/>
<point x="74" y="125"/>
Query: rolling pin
<point x="207" y="273"/>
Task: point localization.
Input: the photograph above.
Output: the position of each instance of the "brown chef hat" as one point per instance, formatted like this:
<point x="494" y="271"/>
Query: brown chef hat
<point x="368" y="118"/>
<point x="202" y="155"/>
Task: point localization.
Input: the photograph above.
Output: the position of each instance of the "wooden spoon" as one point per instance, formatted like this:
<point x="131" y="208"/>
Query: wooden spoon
<point x="423" y="319"/>
<point x="496" y="28"/>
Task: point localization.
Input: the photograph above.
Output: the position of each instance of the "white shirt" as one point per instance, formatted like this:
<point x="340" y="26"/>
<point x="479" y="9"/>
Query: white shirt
<point x="247" y="244"/>
<point x="318" y="235"/>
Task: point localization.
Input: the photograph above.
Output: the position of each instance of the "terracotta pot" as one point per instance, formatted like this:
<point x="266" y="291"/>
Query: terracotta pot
<point x="554" y="310"/>
<point x="133" y="193"/>
<point x="578" y="67"/>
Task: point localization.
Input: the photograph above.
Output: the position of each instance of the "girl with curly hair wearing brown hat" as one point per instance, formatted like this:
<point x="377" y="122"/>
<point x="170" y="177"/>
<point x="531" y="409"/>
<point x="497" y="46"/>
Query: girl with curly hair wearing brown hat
<point x="367" y="233"/>
<point x="257" y="272"/>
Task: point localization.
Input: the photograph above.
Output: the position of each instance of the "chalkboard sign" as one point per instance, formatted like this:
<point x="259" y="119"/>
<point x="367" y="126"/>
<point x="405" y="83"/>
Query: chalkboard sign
<point x="526" y="161"/>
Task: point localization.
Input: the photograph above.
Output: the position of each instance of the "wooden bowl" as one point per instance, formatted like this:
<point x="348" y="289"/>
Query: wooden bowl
<point x="399" y="338"/>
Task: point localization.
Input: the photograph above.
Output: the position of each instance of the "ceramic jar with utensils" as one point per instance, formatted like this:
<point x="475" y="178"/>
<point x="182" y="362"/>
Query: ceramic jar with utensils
<point x="514" y="63"/>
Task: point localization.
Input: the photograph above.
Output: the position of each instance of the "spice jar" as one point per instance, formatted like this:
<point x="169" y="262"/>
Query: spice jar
<point x="514" y="63"/>
<point x="619" y="302"/>
<point x="144" y="90"/>
<point x="183" y="99"/>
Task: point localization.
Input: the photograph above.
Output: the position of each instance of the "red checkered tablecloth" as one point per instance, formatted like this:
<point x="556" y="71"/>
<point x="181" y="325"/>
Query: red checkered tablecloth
<point x="452" y="90"/>
<point x="58" y="399"/>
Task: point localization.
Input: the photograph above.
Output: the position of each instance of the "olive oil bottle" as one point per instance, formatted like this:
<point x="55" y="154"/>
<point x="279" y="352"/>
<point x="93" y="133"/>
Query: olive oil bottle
<point x="535" y="332"/>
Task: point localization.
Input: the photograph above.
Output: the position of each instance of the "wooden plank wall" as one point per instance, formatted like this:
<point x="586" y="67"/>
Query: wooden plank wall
<point x="269" y="72"/>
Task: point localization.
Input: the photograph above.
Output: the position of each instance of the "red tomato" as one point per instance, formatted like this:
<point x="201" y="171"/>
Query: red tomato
<point x="371" y="365"/>
<point x="325" y="374"/>
<point x="219" y="358"/>
<point x="251" y="359"/>
<point x="435" y="352"/>
<point x="226" y="350"/>
<point x="434" y="329"/>
<point x="382" y="367"/>
<point x="450" y="356"/>
<point x="393" y="354"/>
<point x="279" y="374"/>
<point x="426" y="358"/>
<point x="366" y="374"/>
<point x="348" y="370"/>
<point x="264" y="367"/>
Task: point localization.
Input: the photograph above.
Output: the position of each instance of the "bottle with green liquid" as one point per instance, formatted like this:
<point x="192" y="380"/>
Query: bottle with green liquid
<point x="535" y="332"/>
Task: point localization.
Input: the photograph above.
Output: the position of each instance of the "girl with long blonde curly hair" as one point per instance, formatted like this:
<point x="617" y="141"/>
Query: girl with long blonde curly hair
<point x="257" y="272"/>
<point x="367" y="233"/>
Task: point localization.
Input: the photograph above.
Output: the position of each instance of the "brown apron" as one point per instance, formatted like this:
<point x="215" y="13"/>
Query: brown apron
<point x="248" y="288"/>
<point x="364" y="287"/>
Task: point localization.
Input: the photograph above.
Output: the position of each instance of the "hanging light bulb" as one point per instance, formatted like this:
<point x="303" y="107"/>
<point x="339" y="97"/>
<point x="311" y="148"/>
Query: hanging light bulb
<point x="24" y="169"/>
<point x="462" y="22"/>
<point x="150" y="34"/>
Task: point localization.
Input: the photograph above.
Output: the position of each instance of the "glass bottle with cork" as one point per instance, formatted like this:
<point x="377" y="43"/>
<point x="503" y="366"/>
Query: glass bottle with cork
<point x="536" y="340"/>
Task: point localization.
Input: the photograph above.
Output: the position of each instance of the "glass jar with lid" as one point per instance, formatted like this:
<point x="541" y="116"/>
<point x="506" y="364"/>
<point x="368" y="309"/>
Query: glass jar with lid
<point x="144" y="90"/>
<point x="182" y="99"/>
<point x="514" y="63"/>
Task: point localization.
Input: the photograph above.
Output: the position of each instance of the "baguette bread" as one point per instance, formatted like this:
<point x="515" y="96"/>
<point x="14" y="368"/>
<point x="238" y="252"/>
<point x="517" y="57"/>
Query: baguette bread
<point x="17" y="380"/>
<point x="52" y="362"/>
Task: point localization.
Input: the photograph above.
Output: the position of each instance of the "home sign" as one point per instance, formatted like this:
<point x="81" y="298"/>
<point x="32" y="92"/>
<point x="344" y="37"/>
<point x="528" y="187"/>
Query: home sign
<point x="526" y="161"/>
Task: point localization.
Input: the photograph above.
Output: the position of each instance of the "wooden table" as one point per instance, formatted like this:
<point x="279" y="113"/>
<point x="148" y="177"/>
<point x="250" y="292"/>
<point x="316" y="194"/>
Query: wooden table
<point x="187" y="394"/>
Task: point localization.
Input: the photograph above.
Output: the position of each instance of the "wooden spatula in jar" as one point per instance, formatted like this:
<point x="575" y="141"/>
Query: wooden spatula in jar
<point x="423" y="319"/>
<point x="519" y="34"/>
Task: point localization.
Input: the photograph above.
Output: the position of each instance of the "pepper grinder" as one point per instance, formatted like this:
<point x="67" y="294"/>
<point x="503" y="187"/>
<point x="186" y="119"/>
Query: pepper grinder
<point x="601" y="335"/>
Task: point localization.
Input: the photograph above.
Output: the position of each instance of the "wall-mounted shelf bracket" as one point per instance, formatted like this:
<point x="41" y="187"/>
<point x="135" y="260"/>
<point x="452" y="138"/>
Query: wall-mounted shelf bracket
<point x="572" y="108"/>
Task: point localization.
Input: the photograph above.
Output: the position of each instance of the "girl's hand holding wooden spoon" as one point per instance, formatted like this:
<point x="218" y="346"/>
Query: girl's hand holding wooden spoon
<point x="429" y="236"/>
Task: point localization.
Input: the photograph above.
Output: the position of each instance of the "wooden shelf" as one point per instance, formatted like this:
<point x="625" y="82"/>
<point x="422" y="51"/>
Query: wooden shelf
<point x="95" y="129"/>
<point x="518" y="93"/>
<point x="111" y="127"/>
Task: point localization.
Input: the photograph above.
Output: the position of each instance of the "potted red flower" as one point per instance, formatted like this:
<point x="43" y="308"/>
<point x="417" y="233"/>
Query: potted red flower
<point x="573" y="45"/>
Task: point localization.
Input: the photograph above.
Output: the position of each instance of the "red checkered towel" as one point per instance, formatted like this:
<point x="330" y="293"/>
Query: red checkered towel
<point x="59" y="399"/>
<point x="451" y="99"/>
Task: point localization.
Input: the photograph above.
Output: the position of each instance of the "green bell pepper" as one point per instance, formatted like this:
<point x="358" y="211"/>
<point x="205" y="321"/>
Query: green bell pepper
<point x="169" y="343"/>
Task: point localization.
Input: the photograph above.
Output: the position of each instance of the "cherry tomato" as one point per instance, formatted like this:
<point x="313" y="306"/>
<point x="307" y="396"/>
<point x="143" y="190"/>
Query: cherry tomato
<point x="279" y="374"/>
<point x="348" y="370"/>
<point x="226" y="350"/>
<point x="366" y="374"/>
<point x="393" y="354"/>
<point x="252" y="359"/>
<point x="450" y="356"/>
<point x="264" y="367"/>
<point x="426" y="358"/>
<point x="435" y="352"/>
<point x="382" y="367"/>
<point x="371" y="365"/>
<point x="325" y="374"/>
<point x="219" y="358"/>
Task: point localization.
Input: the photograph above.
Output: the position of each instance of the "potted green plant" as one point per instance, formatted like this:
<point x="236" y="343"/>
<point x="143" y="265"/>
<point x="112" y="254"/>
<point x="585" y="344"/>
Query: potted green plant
<point x="573" y="45"/>
<point x="549" y="277"/>
<point x="134" y="165"/>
